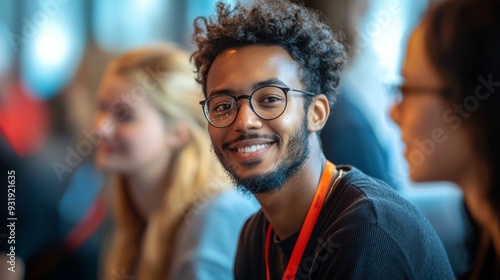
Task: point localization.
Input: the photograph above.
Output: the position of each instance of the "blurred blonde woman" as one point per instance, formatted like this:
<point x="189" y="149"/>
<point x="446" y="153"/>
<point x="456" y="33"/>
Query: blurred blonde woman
<point x="176" y="215"/>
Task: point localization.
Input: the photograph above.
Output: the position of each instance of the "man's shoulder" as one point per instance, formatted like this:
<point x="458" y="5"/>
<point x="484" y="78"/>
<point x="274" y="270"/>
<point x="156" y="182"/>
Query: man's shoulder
<point x="361" y="199"/>
<point x="364" y="218"/>
<point x="357" y="188"/>
<point x="356" y="178"/>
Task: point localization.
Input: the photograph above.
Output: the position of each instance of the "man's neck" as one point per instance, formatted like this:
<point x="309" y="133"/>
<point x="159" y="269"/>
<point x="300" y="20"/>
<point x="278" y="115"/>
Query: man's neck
<point x="286" y="209"/>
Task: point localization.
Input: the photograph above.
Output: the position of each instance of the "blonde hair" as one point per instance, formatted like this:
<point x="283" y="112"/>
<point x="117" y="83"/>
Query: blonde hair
<point x="195" y="175"/>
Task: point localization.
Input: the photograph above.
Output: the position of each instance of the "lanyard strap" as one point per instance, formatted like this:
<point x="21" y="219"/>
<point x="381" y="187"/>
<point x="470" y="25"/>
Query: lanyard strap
<point x="307" y="227"/>
<point x="88" y="225"/>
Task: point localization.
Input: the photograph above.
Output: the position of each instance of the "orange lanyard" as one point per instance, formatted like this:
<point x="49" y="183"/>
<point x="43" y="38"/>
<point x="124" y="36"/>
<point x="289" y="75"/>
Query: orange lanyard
<point x="307" y="227"/>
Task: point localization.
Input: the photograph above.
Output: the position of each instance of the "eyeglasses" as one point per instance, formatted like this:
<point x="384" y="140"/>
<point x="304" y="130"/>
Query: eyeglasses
<point x="400" y="91"/>
<point x="267" y="102"/>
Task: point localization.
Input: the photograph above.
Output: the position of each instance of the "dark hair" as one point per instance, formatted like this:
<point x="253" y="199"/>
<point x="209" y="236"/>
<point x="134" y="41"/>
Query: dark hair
<point x="320" y="53"/>
<point x="463" y="43"/>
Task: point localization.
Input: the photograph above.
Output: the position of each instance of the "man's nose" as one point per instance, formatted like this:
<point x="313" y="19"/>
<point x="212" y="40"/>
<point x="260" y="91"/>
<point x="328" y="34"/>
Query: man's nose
<point x="246" y="119"/>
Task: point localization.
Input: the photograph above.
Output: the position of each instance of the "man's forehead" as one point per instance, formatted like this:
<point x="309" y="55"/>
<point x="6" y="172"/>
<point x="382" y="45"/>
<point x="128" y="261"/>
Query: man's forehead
<point x="243" y="68"/>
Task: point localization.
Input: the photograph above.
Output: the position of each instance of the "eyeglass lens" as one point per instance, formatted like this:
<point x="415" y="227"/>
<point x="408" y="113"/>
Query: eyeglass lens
<point x="266" y="102"/>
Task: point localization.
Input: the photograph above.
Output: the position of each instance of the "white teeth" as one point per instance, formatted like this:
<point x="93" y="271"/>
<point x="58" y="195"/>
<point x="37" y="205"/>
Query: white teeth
<point x="252" y="148"/>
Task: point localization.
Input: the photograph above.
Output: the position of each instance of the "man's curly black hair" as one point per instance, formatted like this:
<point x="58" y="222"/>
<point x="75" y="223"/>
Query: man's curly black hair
<point x="320" y="53"/>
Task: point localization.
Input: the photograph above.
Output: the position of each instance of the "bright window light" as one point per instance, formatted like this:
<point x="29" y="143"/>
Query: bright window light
<point x="51" y="46"/>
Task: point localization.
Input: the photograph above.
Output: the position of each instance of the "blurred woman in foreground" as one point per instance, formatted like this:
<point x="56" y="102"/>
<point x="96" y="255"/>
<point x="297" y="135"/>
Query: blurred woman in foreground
<point x="449" y="113"/>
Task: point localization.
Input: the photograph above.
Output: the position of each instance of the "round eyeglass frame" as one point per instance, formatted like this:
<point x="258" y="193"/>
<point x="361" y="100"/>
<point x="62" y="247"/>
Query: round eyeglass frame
<point x="398" y="91"/>
<point x="249" y="97"/>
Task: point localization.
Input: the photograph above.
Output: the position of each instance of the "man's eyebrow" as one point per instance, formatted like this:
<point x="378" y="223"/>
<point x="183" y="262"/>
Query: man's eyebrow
<point x="269" y="82"/>
<point x="220" y="91"/>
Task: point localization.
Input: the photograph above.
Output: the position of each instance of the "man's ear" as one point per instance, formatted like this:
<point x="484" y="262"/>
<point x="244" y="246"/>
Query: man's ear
<point x="318" y="113"/>
<point x="178" y="135"/>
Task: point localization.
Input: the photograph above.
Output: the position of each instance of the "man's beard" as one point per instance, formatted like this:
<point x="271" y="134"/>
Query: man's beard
<point x="297" y="153"/>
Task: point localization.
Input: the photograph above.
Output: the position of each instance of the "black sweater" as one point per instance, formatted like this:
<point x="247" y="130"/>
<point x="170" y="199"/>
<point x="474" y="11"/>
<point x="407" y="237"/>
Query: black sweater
<point x="364" y="231"/>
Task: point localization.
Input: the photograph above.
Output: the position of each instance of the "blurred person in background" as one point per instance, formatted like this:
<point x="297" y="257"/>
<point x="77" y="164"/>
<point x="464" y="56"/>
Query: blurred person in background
<point x="176" y="214"/>
<point x="353" y="135"/>
<point x="449" y="102"/>
<point x="31" y="134"/>
<point x="349" y="136"/>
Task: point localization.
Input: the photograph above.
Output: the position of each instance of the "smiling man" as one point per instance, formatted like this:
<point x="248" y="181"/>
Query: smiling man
<point x="270" y="74"/>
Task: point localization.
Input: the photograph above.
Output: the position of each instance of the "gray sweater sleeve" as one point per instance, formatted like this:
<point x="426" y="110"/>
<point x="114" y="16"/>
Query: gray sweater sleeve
<point x="206" y="243"/>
